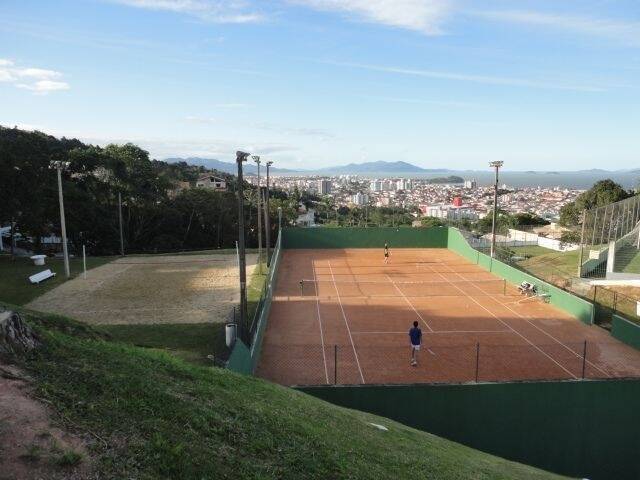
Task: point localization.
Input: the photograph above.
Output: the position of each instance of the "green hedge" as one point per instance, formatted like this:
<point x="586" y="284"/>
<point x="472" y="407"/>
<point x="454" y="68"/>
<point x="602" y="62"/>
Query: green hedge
<point x="587" y="429"/>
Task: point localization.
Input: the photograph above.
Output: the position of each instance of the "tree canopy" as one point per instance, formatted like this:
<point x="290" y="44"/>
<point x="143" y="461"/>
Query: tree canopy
<point x="600" y="194"/>
<point x="157" y="216"/>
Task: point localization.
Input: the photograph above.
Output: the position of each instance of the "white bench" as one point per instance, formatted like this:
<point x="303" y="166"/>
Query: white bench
<point x="42" y="276"/>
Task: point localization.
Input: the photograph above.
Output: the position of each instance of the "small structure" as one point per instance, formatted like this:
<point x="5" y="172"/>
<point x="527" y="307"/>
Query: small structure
<point x="209" y="181"/>
<point x="38" y="259"/>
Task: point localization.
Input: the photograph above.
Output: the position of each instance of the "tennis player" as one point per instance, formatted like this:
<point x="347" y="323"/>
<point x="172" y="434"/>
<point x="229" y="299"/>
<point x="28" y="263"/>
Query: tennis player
<point x="386" y="253"/>
<point x="415" y="335"/>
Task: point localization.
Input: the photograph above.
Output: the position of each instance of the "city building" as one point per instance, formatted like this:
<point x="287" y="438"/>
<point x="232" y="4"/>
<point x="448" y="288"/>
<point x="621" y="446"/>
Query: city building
<point x="360" y="199"/>
<point x="215" y="183"/>
<point x="403" y="184"/>
<point x="324" y="187"/>
<point x="470" y="184"/>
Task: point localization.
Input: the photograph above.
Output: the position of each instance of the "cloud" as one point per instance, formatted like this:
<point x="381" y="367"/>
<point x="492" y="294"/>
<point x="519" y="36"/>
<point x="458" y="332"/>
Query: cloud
<point x="424" y="16"/>
<point x="38" y="80"/>
<point x="217" y="11"/>
<point x="44" y="86"/>
<point x="461" y="77"/>
<point x="624" y="32"/>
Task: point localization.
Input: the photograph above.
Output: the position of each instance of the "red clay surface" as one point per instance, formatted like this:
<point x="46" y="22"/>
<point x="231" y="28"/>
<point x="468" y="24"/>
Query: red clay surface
<point x="350" y="322"/>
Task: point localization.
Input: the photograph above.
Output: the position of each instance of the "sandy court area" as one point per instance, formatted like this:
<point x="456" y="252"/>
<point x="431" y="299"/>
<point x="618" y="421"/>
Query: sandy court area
<point x="155" y="289"/>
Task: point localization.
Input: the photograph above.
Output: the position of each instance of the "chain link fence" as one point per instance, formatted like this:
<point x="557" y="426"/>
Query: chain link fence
<point x="490" y="361"/>
<point x="611" y="240"/>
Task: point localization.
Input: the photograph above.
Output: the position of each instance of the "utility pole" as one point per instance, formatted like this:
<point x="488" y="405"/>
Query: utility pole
<point x="267" y="219"/>
<point x="256" y="159"/>
<point x="120" y="222"/>
<point x="59" y="165"/>
<point x="497" y="166"/>
<point x="242" y="261"/>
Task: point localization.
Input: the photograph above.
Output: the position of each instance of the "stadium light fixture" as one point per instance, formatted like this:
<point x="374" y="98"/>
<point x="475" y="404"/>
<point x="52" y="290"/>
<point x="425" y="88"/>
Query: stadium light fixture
<point x="496" y="165"/>
<point x="59" y="166"/>
<point x="242" y="261"/>
<point x="267" y="217"/>
<point x="256" y="158"/>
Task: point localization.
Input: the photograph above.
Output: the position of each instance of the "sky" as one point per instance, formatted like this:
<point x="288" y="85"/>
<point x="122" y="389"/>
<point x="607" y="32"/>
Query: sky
<point x="541" y="85"/>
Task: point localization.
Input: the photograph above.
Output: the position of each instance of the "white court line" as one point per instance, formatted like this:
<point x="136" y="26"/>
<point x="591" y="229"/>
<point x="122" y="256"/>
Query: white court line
<point x="439" y="332"/>
<point x="410" y="304"/>
<point x="527" y="319"/>
<point x="509" y="326"/>
<point x="344" y="316"/>
<point x="324" y="357"/>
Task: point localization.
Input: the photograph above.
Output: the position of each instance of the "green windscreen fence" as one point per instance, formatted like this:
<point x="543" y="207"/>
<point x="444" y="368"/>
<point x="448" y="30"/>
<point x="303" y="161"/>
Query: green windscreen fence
<point x="588" y="429"/>
<point x="401" y="237"/>
<point x="243" y="358"/>
<point x="573" y="305"/>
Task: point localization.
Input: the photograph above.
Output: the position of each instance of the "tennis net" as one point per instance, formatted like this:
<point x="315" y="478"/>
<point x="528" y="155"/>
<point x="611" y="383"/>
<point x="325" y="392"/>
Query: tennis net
<point x="392" y="288"/>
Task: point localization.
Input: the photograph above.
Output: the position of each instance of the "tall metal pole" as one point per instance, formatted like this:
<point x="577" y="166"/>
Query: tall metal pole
<point x="279" y="219"/>
<point x="242" y="261"/>
<point x="581" y="256"/>
<point x="256" y="159"/>
<point x="497" y="166"/>
<point x="120" y="222"/>
<point x="63" y="225"/>
<point x="267" y="219"/>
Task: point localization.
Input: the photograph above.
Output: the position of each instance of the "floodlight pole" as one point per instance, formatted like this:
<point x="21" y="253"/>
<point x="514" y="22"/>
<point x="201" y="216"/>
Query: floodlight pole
<point x="58" y="165"/>
<point x="497" y="166"/>
<point x="242" y="262"/>
<point x="120" y="223"/>
<point x="267" y="219"/>
<point x="256" y="159"/>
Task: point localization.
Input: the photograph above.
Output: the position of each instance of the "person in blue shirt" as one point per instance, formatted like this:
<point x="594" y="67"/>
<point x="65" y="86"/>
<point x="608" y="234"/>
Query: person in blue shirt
<point x="415" y="335"/>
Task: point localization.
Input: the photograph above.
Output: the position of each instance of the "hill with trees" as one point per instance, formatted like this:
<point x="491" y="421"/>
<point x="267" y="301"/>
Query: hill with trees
<point x="160" y="209"/>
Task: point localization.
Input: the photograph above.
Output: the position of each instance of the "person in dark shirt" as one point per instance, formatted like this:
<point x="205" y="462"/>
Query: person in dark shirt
<point x="415" y="335"/>
<point x="386" y="252"/>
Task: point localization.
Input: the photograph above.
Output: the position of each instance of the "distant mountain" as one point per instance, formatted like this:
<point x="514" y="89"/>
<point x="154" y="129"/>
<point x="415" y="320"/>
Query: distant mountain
<point x="352" y="168"/>
<point x="227" y="167"/>
<point x="379" y="167"/>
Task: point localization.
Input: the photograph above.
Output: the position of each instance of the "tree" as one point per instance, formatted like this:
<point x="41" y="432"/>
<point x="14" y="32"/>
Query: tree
<point x="432" y="222"/>
<point x="601" y="193"/>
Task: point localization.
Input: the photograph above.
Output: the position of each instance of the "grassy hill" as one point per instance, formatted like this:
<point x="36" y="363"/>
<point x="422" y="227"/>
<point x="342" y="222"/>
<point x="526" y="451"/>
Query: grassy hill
<point x="155" y="416"/>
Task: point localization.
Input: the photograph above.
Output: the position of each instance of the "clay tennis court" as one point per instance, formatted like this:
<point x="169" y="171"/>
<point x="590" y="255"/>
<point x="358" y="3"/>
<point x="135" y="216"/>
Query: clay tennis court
<point x="348" y="322"/>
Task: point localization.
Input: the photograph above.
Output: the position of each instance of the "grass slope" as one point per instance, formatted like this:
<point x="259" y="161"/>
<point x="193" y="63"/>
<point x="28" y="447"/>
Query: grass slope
<point x="157" y="417"/>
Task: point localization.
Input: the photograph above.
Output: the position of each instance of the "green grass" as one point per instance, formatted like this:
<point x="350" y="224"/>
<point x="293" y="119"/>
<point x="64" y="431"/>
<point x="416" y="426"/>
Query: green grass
<point x="190" y="342"/>
<point x="154" y="416"/>
<point x="254" y="290"/>
<point x="14" y="276"/>
<point x="552" y="264"/>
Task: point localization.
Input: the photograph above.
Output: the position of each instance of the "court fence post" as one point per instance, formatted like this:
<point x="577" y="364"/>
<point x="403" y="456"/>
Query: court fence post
<point x="477" y="360"/>
<point x="584" y="358"/>
<point x="335" y="364"/>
